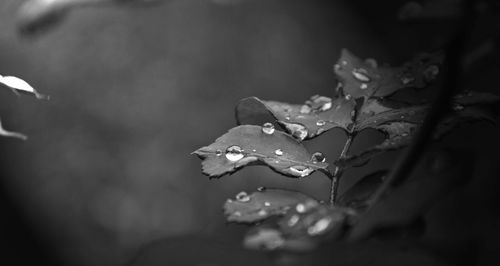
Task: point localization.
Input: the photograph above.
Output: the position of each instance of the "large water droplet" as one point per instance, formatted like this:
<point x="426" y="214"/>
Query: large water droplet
<point x="322" y="103"/>
<point x="261" y="189"/>
<point x="242" y="197"/>
<point x="267" y="203"/>
<point x="237" y="214"/>
<point x="297" y="130"/>
<point x="319" y="227"/>
<point x="300" y="170"/>
<point x="361" y="74"/>
<point x="320" y="123"/>
<point x="363" y="86"/>
<point x="278" y="152"/>
<point x="234" y="153"/>
<point x="318" y="157"/>
<point x="348" y="97"/>
<point x="262" y="212"/>
<point x="294" y="219"/>
<point x="268" y="128"/>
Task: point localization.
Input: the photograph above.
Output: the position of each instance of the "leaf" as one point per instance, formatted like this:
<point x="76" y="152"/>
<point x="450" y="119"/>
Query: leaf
<point x="35" y="16"/>
<point x="436" y="9"/>
<point x="262" y="204"/>
<point x="400" y="124"/>
<point x="17" y="84"/>
<point x="317" y="115"/>
<point x="358" y="195"/>
<point x="303" y="228"/>
<point x="6" y="133"/>
<point x="439" y="174"/>
<point x="364" y="78"/>
<point x="250" y="145"/>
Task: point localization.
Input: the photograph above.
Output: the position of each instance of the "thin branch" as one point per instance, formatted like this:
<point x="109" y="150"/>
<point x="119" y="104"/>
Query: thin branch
<point x="337" y="173"/>
<point x="452" y="72"/>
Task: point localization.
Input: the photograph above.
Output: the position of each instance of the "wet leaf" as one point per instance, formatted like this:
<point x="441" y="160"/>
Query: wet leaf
<point x="317" y="115"/>
<point x="262" y="204"/>
<point x="400" y="121"/>
<point x="6" y="133"/>
<point x="436" y="176"/>
<point x="364" y="78"/>
<point x="251" y="145"/>
<point x="35" y="16"/>
<point x="18" y="85"/>
<point x="303" y="228"/>
<point x="358" y="195"/>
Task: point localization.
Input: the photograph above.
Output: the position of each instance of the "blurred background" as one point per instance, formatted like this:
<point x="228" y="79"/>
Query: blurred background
<point x="107" y="166"/>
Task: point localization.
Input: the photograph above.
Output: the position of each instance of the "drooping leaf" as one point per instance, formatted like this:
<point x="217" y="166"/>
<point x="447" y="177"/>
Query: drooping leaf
<point x="6" y="133"/>
<point x="317" y="115"/>
<point x="364" y="78"/>
<point x="16" y="84"/>
<point x="264" y="203"/>
<point x="436" y="176"/>
<point x="35" y="16"/>
<point x="250" y="145"/>
<point x="303" y="228"/>
<point x="358" y="195"/>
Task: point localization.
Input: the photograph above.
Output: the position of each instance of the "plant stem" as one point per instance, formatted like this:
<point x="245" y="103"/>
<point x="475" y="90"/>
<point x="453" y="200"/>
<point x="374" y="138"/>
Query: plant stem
<point x="337" y="173"/>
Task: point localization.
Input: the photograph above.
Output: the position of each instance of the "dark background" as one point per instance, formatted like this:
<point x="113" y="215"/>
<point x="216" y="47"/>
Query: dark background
<point x="107" y="166"/>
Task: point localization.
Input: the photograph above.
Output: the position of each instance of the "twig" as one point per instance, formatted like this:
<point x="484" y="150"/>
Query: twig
<point x="451" y="73"/>
<point x="337" y="173"/>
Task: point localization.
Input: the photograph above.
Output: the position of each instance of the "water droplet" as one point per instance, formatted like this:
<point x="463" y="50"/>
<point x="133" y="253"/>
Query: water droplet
<point x="237" y="213"/>
<point x="262" y="212"/>
<point x="305" y="109"/>
<point x="458" y="107"/>
<point x="268" y="128"/>
<point x="353" y="113"/>
<point x="404" y="134"/>
<point x="361" y="74"/>
<point x="218" y="152"/>
<point x="294" y="219"/>
<point x="363" y="86"/>
<point x="407" y="79"/>
<point x="337" y="67"/>
<point x="431" y="72"/>
<point x="300" y="208"/>
<point x="318" y="157"/>
<point x="267" y="204"/>
<point x="242" y="197"/>
<point x="348" y="97"/>
<point x="344" y="62"/>
<point x="326" y="106"/>
<point x="287" y="117"/>
<point x="278" y="152"/>
<point x="319" y="227"/>
<point x="229" y="201"/>
<point x="320" y="123"/>
<point x="402" y="117"/>
<point x="300" y="170"/>
<point x="254" y="150"/>
<point x="260" y="189"/>
<point x="297" y="130"/>
<point x="234" y="153"/>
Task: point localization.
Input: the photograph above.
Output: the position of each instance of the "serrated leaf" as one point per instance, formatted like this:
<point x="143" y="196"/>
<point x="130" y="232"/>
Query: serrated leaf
<point x="358" y="195"/>
<point x="17" y="84"/>
<point x="436" y="176"/>
<point x="250" y="145"/>
<point x="303" y="228"/>
<point x="7" y="133"/>
<point x="35" y="16"/>
<point x="262" y="204"/>
<point x="317" y="115"/>
<point x="364" y="78"/>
